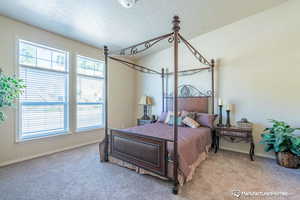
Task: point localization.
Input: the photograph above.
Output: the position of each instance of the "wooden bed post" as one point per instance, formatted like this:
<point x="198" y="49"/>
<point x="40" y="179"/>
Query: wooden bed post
<point x="213" y="86"/>
<point x="167" y="89"/>
<point x="176" y="29"/>
<point x="106" y="103"/>
<point x="163" y="88"/>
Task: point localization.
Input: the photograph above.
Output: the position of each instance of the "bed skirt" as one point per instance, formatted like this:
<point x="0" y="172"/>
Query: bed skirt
<point x="181" y="178"/>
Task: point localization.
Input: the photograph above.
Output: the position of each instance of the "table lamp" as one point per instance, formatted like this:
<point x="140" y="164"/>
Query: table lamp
<point x="145" y="101"/>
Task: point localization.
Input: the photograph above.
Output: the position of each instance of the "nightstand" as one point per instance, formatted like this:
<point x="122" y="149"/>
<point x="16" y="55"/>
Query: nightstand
<point x="235" y="134"/>
<point x="145" y="121"/>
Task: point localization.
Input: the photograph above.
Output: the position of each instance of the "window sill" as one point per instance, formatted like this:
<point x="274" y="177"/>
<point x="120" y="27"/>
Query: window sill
<point x="38" y="137"/>
<point x="89" y="129"/>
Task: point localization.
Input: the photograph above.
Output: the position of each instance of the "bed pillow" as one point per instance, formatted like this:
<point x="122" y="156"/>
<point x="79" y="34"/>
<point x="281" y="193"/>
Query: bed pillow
<point x="206" y="119"/>
<point x="188" y="114"/>
<point x="190" y="122"/>
<point x="162" y="117"/>
<point x="171" y="120"/>
<point x="170" y="113"/>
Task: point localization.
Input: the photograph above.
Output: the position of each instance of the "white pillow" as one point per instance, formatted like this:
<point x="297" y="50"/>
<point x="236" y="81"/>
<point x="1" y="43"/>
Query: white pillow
<point x="190" y="122"/>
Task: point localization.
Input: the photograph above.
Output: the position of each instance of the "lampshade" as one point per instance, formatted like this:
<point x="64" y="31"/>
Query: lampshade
<point x="145" y="100"/>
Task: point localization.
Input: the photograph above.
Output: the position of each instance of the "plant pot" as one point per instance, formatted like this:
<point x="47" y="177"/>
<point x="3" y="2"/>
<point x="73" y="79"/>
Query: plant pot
<point x="287" y="159"/>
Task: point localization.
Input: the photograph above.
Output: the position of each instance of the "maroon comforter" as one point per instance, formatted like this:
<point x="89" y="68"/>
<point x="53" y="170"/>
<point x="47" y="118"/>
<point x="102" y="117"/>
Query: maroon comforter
<point x="191" y="141"/>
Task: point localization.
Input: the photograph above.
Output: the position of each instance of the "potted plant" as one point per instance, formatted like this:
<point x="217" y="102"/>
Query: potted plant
<point x="10" y="88"/>
<point x="281" y="139"/>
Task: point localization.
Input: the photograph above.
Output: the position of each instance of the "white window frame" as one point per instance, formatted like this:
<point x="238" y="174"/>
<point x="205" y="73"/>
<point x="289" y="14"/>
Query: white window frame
<point x="66" y="103"/>
<point x="89" y="128"/>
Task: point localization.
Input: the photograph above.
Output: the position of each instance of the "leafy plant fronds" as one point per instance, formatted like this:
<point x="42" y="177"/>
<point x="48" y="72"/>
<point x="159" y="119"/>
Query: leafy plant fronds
<point x="11" y="88"/>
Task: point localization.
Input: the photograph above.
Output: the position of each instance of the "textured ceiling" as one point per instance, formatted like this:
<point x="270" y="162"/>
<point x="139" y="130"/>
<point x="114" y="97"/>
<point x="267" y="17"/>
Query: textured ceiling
<point x="106" y="22"/>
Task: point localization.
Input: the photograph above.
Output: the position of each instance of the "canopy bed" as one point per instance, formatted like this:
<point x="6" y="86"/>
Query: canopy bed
<point x="160" y="149"/>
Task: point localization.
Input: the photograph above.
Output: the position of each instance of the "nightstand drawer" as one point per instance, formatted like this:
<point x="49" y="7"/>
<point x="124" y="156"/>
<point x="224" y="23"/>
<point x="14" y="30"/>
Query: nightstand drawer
<point x="235" y="134"/>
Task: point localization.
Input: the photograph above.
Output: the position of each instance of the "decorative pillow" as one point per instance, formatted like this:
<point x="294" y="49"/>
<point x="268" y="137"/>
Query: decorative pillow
<point x="206" y="119"/>
<point x="170" y="113"/>
<point x="162" y="117"/>
<point x="171" y="120"/>
<point x="188" y="114"/>
<point x="190" y="122"/>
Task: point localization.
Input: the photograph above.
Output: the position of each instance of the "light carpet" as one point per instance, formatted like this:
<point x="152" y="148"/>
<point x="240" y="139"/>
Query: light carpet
<point x="78" y="175"/>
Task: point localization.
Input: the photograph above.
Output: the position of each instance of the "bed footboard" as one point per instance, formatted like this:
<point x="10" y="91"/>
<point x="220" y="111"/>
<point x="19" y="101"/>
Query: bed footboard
<point x="146" y="152"/>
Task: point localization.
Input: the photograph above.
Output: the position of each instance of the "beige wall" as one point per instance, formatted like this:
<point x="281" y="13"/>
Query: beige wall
<point x="121" y="93"/>
<point x="258" y="68"/>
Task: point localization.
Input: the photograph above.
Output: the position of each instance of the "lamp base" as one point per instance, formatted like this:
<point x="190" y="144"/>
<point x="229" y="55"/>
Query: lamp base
<point x="145" y="117"/>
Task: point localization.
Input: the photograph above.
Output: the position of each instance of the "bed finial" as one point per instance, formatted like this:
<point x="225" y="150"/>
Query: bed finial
<point x="176" y="23"/>
<point x="212" y="62"/>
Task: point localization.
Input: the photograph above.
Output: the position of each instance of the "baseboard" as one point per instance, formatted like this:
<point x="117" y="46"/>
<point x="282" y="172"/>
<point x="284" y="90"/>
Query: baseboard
<point x="241" y="151"/>
<point x="96" y="141"/>
<point x="47" y="153"/>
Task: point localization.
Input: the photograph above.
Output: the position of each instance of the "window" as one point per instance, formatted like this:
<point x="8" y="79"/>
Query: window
<point x="90" y="92"/>
<point x="44" y="104"/>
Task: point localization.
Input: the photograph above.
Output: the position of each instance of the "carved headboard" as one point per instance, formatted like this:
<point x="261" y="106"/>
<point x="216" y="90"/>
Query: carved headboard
<point x="190" y="99"/>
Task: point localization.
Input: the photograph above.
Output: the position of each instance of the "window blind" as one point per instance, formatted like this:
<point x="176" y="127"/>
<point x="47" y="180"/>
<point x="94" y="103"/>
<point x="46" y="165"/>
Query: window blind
<point x="44" y="104"/>
<point x="90" y="92"/>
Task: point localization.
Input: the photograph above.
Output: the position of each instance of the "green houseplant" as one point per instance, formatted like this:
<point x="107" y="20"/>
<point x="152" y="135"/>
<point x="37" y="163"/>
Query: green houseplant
<point x="281" y="139"/>
<point x="10" y="89"/>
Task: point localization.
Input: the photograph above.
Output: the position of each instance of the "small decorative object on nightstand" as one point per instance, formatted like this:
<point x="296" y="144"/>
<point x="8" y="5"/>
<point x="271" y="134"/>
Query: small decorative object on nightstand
<point x="145" y="121"/>
<point x="244" y="123"/>
<point x="235" y="134"/>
